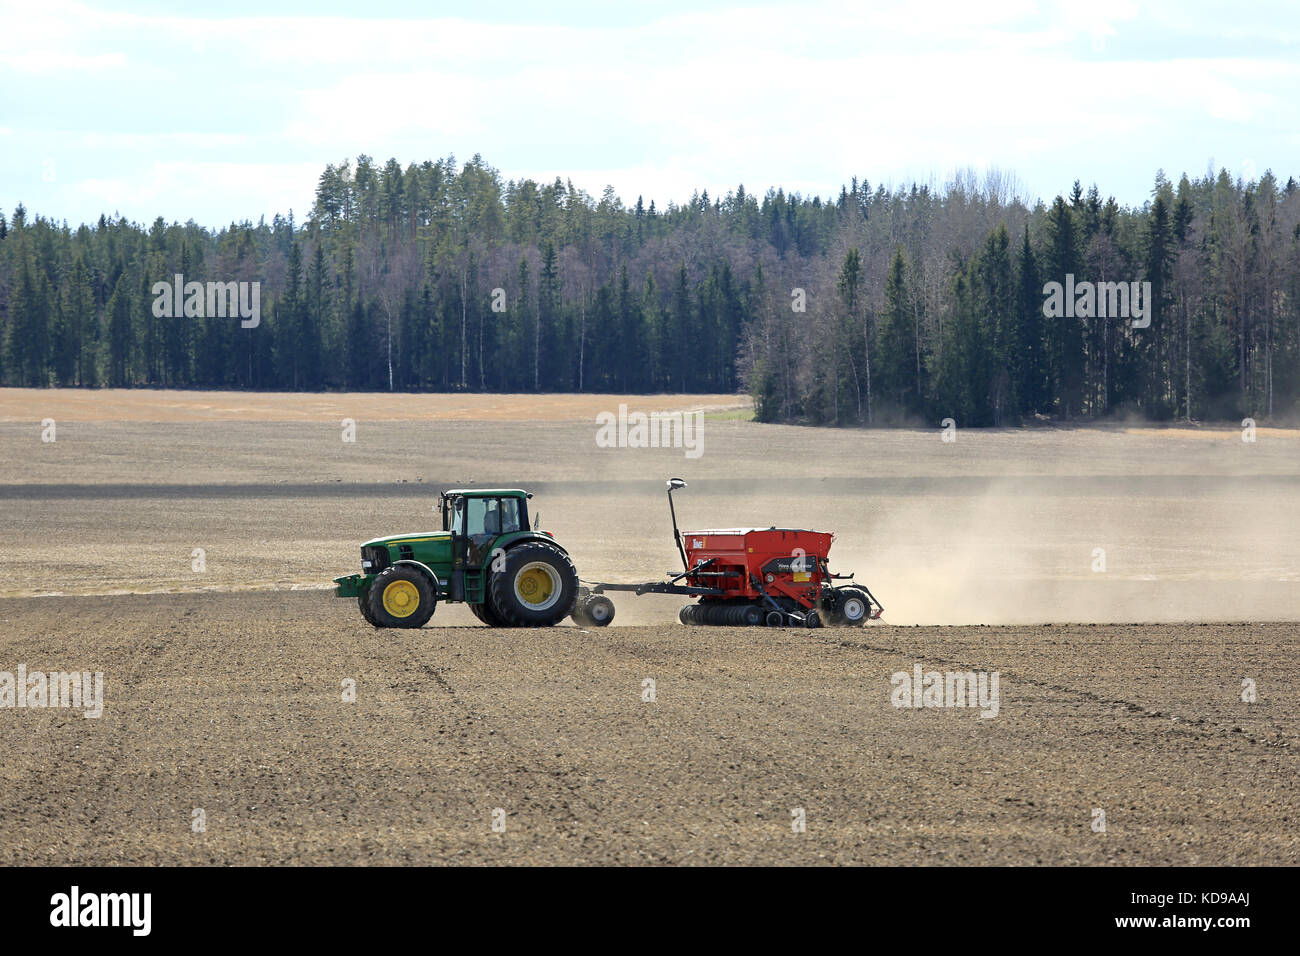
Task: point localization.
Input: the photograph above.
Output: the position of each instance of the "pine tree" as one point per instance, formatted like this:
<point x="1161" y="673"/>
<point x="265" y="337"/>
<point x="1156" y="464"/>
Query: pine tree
<point x="1028" y="363"/>
<point x="632" y="340"/>
<point x="1065" y="334"/>
<point x="360" y="349"/>
<point x="849" y="287"/>
<point x="287" y="326"/>
<point x="1153" y="340"/>
<point x="121" y="335"/>
<point x="16" y="338"/>
<point x="679" y="331"/>
<point x="312" y="318"/>
<point x="545" y="353"/>
<point x="995" y="308"/>
<point x="80" y="322"/>
<point x="898" y="341"/>
<point x="29" y="336"/>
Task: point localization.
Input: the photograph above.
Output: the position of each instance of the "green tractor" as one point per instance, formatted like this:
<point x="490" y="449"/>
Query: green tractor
<point x="486" y="555"/>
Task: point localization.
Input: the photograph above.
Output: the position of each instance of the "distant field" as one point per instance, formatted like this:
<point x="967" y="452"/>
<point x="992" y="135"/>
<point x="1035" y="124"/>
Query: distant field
<point x="156" y="405"/>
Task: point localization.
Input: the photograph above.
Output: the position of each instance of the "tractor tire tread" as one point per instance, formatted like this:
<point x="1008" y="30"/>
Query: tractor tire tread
<point x="500" y="596"/>
<point x="428" y="596"/>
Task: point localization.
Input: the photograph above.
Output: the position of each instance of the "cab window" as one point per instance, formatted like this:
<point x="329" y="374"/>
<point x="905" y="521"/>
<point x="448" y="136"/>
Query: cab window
<point x="509" y="513"/>
<point x="489" y="516"/>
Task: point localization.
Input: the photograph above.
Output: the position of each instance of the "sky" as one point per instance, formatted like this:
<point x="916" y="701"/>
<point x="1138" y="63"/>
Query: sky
<point x="227" y="112"/>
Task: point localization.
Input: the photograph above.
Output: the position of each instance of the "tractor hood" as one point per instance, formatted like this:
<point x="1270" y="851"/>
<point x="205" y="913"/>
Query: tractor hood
<point x="414" y="538"/>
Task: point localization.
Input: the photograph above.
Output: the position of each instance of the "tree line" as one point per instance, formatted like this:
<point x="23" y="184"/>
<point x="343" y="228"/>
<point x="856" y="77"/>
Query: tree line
<point x="876" y="306"/>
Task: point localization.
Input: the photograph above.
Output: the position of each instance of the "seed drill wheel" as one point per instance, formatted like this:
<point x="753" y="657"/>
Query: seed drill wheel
<point x="595" y="610"/>
<point x="854" y="608"/>
<point x="537" y="587"/>
<point x="401" y="596"/>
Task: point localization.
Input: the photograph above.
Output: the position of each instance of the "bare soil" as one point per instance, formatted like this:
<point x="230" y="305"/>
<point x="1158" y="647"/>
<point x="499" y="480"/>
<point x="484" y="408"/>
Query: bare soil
<point x="233" y="704"/>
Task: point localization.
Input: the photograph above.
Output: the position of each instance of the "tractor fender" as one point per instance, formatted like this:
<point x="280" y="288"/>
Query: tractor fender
<point x="516" y="539"/>
<point x="428" y="573"/>
<point x="527" y="537"/>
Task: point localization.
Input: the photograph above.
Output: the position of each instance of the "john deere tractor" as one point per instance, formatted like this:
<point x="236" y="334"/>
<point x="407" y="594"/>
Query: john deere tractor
<point x="486" y="555"/>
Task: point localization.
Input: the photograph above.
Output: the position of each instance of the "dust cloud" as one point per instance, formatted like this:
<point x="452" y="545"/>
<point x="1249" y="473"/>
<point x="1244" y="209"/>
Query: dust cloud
<point x="1025" y="551"/>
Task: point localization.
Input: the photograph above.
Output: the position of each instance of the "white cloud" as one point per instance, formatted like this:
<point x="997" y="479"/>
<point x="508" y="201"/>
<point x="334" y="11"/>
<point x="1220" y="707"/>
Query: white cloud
<point x="155" y="143"/>
<point x="47" y="62"/>
<point x="173" y="189"/>
<point x="792" y="95"/>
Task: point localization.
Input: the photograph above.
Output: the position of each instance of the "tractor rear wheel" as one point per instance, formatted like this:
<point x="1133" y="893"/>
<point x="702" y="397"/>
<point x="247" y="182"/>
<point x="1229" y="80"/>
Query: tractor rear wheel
<point x="401" y="596"/>
<point x="484" y="613"/>
<point x="536" y="588"/>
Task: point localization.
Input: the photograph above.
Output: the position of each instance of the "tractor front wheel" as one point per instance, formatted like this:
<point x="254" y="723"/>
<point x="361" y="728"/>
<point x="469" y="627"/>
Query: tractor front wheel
<point x="401" y="596"/>
<point x="537" y="587"/>
<point x="363" y="602"/>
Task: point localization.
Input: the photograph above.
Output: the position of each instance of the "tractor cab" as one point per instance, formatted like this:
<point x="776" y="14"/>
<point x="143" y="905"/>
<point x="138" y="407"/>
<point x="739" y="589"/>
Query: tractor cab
<point x="484" y="511"/>
<point x="476" y="518"/>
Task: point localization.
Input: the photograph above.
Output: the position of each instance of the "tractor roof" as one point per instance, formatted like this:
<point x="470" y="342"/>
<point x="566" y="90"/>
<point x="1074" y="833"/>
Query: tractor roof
<point x="488" y="492"/>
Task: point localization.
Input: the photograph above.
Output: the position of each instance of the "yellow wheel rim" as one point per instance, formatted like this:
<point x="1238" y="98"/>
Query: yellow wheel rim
<point x="401" y="598"/>
<point x="535" y="585"/>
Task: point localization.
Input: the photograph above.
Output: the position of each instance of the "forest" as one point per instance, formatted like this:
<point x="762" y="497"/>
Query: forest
<point x="876" y="306"/>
